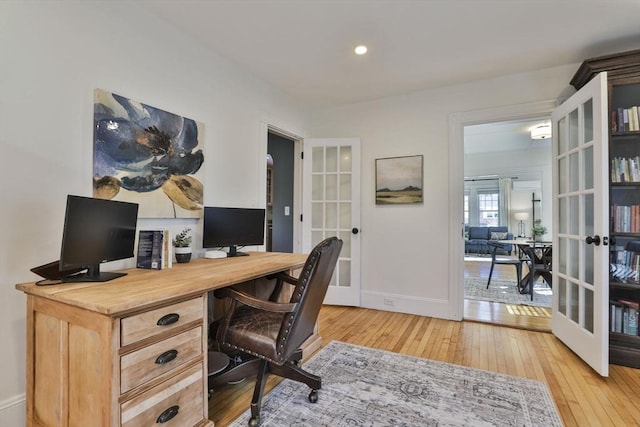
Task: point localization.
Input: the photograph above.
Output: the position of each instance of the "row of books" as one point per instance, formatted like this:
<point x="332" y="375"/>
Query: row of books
<point x="625" y="219"/>
<point x="625" y="169"/>
<point x="625" y="119"/>
<point x="626" y="271"/>
<point x="624" y="316"/>
<point x="155" y="250"/>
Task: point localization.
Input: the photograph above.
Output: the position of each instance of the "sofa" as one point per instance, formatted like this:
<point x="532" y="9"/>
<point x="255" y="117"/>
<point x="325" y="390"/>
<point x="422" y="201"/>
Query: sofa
<point x="476" y="238"/>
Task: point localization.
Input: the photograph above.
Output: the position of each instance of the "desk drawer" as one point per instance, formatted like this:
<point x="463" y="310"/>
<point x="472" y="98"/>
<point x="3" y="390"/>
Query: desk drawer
<point x="150" y="323"/>
<point x="180" y="400"/>
<point x="147" y="363"/>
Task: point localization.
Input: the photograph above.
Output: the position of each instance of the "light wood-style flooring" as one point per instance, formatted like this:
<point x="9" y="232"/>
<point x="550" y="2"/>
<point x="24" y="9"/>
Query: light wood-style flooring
<point x="518" y="316"/>
<point x="582" y="397"/>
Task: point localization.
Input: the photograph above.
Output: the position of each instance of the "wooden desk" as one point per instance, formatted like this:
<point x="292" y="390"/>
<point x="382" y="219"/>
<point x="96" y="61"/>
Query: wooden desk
<point x="99" y="355"/>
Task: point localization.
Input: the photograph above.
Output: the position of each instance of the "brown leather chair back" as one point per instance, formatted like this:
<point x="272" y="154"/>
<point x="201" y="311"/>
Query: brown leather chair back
<point x="309" y="293"/>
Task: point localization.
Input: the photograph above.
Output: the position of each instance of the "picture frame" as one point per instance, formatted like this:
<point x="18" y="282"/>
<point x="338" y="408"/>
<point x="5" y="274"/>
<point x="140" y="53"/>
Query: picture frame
<point x="399" y="180"/>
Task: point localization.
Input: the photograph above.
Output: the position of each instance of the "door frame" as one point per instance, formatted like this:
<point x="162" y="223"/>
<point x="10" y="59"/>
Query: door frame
<point x="269" y="125"/>
<point x="457" y="122"/>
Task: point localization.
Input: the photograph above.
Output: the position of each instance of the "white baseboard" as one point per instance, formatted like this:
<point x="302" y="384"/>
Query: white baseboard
<point x="403" y="304"/>
<point x="13" y="411"/>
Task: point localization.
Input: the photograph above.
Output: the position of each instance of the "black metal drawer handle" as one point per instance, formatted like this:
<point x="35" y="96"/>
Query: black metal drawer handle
<point x="168" y="414"/>
<point x="168" y="319"/>
<point x="166" y="357"/>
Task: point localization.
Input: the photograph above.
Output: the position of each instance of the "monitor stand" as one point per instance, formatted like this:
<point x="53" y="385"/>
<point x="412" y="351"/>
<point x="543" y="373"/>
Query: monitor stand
<point x="93" y="274"/>
<point x="233" y="251"/>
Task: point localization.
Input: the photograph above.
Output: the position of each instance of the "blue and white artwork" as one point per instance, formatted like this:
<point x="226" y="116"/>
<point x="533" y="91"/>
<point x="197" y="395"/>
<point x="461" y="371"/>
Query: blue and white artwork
<point x="146" y="155"/>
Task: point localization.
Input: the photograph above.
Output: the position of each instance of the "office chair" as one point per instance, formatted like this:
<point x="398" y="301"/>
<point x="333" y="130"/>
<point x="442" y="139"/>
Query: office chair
<point x="270" y="333"/>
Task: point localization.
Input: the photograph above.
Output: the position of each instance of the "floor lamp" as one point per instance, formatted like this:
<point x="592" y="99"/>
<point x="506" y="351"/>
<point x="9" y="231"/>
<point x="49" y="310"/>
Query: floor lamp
<point x="522" y="217"/>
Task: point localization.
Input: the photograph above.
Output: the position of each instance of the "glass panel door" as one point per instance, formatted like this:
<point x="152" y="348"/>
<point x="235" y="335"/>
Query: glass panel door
<point x="331" y="207"/>
<point x="580" y="254"/>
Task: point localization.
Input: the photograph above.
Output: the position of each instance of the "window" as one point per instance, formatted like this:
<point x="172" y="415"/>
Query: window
<point x="488" y="209"/>
<point x="466" y="209"/>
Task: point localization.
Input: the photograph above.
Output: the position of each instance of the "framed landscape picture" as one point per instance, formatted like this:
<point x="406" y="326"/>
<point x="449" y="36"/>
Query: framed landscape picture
<point x="399" y="180"/>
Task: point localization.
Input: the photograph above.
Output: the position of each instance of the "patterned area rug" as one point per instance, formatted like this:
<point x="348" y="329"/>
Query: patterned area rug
<point x="505" y="291"/>
<point x="368" y="387"/>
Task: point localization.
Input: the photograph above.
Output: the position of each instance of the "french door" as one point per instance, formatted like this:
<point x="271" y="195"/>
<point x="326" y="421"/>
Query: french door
<point x="581" y="221"/>
<point x="331" y="207"/>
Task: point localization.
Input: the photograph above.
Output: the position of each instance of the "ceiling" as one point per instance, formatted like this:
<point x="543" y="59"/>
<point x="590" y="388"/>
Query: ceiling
<point x="305" y="47"/>
<point x="514" y="135"/>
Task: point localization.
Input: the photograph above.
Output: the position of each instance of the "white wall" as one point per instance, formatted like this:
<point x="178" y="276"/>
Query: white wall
<point x="52" y="56"/>
<point x="533" y="164"/>
<point x="406" y="249"/>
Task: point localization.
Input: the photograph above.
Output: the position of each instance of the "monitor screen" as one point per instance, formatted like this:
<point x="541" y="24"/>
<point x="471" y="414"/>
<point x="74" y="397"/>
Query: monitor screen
<point x="232" y="227"/>
<point x="97" y="231"/>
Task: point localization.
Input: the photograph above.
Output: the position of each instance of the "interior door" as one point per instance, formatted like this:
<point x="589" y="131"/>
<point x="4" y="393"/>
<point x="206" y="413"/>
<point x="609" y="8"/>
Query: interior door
<point x="580" y="221"/>
<point x="331" y="207"/>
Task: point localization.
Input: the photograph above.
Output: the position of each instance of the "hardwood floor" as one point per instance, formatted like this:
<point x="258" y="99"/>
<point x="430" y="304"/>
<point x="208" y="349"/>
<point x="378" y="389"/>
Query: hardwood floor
<point x="517" y="316"/>
<point x="582" y="397"/>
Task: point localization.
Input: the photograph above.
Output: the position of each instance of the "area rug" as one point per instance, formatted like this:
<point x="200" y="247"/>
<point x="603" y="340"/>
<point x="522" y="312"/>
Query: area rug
<point x="368" y="387"/>
<point x="505" y="291"/>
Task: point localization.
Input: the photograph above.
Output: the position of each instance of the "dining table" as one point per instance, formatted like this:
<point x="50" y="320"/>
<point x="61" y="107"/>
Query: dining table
<point x="536" y="253"/>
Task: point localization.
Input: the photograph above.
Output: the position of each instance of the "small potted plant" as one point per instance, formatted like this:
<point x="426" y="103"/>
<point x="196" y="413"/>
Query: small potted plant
<point x="538" y="230"/>
<point x="182" y="246"/>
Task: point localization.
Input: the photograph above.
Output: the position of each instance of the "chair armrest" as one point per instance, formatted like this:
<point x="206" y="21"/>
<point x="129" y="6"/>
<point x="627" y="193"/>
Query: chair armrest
<point x="254" y="302"/>
<point x="284" y="277"/>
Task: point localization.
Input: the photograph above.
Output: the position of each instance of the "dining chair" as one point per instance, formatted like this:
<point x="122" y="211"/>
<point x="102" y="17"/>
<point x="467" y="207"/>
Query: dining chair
<point x="495" y="259"/>
<point x="539" y="265"/>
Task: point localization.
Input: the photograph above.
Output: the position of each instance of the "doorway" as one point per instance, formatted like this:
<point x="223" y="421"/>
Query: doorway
<point x="459" y="160"/>
<point x="279" y="235"/>
<point x="503" y="171"/>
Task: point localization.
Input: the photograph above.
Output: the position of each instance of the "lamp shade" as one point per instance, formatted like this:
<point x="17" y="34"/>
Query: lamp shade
<point x="521" y="216"/>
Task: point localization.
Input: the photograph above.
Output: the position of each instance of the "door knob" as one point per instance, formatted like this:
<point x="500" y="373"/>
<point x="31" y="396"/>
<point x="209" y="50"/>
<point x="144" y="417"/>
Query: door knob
<point x="355" y="230"/>
<point x="595" y="240"/>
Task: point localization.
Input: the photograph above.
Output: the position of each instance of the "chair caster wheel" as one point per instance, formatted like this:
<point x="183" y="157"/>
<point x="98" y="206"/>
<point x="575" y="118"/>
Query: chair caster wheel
<point x="254" y="422"/>
<point x="313" y="396"/>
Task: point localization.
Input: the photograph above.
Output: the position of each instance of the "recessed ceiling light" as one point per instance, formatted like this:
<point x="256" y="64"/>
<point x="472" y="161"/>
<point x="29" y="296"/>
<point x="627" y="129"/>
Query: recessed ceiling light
<point x="360" y="50"/>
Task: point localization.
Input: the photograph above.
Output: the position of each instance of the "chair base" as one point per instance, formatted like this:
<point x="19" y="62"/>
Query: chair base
<point x="252" y="365"/>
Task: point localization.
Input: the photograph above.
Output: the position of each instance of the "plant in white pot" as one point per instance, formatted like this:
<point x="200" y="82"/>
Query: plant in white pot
<point x="182" y="246"/>
<point x="538" y="230"/>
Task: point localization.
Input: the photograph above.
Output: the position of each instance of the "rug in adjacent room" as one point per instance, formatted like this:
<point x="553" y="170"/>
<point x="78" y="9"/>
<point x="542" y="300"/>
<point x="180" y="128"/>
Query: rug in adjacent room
<point x="368" y="387"/>
<point x="505" y="291"/>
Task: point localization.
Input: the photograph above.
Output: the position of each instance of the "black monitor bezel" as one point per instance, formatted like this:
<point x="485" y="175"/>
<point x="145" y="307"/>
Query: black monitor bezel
<point x="125" y="221"/>
<point x="254" y="217"/>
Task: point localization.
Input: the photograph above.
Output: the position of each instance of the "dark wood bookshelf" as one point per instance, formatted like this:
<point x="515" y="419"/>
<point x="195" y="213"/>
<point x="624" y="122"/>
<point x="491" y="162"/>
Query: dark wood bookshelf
<point x="623" y="87"/>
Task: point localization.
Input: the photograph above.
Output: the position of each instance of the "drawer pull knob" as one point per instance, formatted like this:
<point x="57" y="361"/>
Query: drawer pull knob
<point x="168" y="319"/>
<point x="168" y="414"/>
<point x="166" y="357"/>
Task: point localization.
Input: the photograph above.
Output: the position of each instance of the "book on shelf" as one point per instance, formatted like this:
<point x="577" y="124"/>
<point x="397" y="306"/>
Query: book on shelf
<point x="615" y="324"/>
<point x="154" y="249"/>
<point x="629" y="316"/>
<point x="620" y="120"/>
<point x="624" y="316"/>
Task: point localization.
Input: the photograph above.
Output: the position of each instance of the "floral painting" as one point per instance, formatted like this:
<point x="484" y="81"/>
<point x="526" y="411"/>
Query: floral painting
<point x="399" y="180"/>
<point x="146" y="155"/>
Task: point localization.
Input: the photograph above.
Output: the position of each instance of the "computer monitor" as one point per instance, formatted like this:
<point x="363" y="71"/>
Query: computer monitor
<point x="232" y="227"/>
<point x="96" y="231"/>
